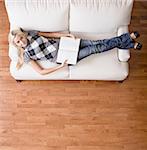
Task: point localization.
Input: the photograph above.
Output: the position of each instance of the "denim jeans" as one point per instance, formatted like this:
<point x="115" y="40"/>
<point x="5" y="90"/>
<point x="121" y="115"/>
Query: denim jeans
<point x="88" y="47"/>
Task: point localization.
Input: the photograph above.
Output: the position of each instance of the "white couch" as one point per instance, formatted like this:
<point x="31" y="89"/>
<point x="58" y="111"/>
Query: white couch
<point x="88" y="19"/>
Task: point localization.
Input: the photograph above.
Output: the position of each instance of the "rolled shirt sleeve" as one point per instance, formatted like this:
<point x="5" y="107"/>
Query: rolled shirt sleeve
<point x="32" y="32"/>
<point x="27" y="58"/>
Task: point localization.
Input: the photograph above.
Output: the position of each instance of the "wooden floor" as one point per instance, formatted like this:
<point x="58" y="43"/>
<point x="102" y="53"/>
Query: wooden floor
<point x="75" y="115"/>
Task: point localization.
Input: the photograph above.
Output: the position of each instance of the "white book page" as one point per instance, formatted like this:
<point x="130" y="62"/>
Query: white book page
<point x="67" y="43"/>
<point x="68" y="49"/>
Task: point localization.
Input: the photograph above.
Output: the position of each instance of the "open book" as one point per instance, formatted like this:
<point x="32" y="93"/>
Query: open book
<point x="68" y="49"/>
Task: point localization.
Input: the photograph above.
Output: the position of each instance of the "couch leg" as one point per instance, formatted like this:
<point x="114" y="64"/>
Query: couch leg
<point x="18" y="81"/>
<point x="121" y="81"/>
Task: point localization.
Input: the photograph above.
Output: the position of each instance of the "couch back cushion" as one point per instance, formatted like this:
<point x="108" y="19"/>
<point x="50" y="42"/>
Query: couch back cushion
<point x="99" y="16"/>
<point x="42" y="15"/>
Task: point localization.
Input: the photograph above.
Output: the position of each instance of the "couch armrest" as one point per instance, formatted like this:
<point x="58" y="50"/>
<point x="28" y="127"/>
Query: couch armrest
<point x="13" y="53"/>
<point x="12" y="50"/>
<point x="123" y="55"/>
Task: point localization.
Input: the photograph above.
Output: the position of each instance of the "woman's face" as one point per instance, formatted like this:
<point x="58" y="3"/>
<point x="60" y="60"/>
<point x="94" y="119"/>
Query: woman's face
<point x="20" y="40"/>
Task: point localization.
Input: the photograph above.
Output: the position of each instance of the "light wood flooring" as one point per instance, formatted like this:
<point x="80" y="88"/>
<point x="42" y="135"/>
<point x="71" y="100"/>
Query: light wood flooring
<point x="75" y="115"/>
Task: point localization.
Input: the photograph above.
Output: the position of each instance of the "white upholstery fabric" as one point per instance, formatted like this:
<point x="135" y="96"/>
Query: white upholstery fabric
<point x="13" y="53"/>
<point x="101" y="66"/>
<point x="28" y="73"/>
<point x="42" y="15"/>
<point x="94" y="36"/>
<point x="88" y="19"/>
<point x="123" y="55"/>
<point x="99" y="16"/>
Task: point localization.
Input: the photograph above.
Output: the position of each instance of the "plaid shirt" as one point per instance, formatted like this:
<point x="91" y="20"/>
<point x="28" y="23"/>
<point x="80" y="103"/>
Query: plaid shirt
<point x="40" y="48"/>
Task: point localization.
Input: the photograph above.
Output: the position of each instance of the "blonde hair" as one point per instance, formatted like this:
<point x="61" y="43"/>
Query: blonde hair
<point x="20" y="49"/>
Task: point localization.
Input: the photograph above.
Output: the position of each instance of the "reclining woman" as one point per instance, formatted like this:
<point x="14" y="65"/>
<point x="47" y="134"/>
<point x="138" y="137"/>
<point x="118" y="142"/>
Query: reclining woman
<point x="33" y="45"/>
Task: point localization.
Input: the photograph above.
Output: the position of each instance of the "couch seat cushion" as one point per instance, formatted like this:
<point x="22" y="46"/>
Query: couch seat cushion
<point x="101" y="66"/>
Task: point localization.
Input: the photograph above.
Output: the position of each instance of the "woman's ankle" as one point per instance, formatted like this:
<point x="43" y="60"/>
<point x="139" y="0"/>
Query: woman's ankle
<point x="137" y="46"/>
<point x="132" y="35"/>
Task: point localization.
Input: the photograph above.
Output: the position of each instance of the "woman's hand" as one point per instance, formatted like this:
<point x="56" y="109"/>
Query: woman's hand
<point x="70" y="35"/>
<point x="64" y="63"/>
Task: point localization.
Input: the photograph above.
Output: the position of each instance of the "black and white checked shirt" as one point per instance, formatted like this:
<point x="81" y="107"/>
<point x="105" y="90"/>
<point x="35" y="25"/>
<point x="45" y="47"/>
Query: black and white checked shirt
<point x="40" y="48"/>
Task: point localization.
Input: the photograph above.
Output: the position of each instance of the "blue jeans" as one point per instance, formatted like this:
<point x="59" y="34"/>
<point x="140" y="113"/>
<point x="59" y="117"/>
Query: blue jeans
<point x="88" y="47"/>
